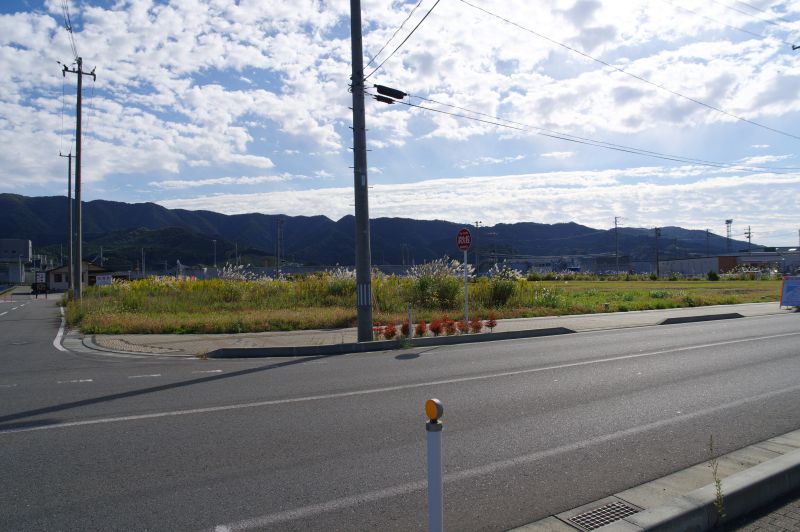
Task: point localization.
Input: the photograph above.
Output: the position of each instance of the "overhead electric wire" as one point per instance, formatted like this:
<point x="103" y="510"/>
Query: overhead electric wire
<point x="518" y="126"/>
<point x="404" y="40"/>
<point x="711" y="19"/>
<point x="68" y="25"/>
<point x="745" y="13"/>
<point x="756" y="8"/>
<point x="394" y="34"/>
<point x="634" y="76"/>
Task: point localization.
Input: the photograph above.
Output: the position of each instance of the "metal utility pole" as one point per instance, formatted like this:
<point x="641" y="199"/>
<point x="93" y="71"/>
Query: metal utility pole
<point x="71" y="229"/>
<point x="215" y="253"/>
<point x="658" y="266"/>
<point x="708" y="233"/>
<point x="728" y="224"/>
<point x="78" y="293"/>
<point x="362" y="240"/>
<point x="616" y="241"/>
<point x="143" y="268"/>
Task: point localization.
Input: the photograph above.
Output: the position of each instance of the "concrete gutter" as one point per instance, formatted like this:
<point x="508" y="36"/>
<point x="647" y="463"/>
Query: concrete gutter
<point x="384" y="345"/>
<point x="742" y="492"/>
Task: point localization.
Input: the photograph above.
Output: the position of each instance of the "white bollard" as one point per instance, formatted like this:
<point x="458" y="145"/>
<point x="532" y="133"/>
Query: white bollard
<point x="433" y="428"/>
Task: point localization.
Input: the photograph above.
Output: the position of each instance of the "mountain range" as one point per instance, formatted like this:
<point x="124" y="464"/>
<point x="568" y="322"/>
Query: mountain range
<point x="123" y="230"/>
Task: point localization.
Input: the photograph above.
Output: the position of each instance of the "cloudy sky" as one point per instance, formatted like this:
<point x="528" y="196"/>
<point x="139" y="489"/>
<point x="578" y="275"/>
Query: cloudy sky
<point x="244" y="107"/>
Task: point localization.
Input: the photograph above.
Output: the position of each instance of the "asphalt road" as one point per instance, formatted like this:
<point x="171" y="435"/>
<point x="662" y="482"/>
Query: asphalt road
<point x="531" y="427"/>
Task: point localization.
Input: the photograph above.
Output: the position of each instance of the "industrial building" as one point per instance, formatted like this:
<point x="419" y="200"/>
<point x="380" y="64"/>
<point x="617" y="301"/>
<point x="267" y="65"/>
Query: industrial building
<point x="15" y="253"/>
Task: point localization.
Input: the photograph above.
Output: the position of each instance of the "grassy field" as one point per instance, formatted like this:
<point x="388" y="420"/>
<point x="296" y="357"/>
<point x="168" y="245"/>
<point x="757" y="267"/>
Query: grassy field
<point x="165" y="305"/>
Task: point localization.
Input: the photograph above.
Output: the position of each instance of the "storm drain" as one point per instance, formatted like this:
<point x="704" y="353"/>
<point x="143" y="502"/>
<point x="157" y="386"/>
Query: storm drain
<point x="602" y="516"/>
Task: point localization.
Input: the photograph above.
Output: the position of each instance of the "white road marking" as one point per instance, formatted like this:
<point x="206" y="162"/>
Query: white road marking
<point x="144" y="376"/>
<point x="7" y="385"/>
<point x="487" y="469"/>
<point x="76" y="381"/>
<point x="4" y="313"/>
<point x="60" y="334"/>
<point x="369" y="391"/>
<point x="209" y="371"/>
<point x="15" y="308"/>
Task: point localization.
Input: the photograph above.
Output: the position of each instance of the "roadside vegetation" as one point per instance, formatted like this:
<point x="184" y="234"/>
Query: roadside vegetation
<point x="239" y="303"/>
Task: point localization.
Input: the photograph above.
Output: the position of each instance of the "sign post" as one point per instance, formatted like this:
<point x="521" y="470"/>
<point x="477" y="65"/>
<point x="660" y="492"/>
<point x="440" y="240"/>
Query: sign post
<point x="464" y="242"/>
<point x="433" y="428"/>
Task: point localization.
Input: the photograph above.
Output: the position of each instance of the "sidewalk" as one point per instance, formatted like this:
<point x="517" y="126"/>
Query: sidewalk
<point x="759" y="487"/>
<point x="305" y="342"/>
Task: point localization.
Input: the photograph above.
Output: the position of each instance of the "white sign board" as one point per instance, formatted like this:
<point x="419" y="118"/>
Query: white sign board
<point x="103" y="280"/>
<point x="40" y="277"/>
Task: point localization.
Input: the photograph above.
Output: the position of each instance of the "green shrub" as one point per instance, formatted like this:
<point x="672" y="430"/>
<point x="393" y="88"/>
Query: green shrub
<point x="713" y="276"/>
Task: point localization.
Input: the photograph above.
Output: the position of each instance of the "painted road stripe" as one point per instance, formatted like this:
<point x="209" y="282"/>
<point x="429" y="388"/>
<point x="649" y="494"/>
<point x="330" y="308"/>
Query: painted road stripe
<point x="7" y="385"/>
<point x="467" y="474"/>
<point x="144" y="376"/>
<point x="76" y="381"/>
<point x="385" y="389"/>
<point x="4" y="313"/>
<point x="209" y="371"/>
<point x="60" y="334"/>
<point x="15" y="308"/>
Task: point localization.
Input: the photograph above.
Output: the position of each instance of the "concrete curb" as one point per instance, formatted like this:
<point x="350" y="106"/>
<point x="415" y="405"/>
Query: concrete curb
<point x="88" y="342"/>
<point x="384" y="345"/>
<point x="743" y="493"/>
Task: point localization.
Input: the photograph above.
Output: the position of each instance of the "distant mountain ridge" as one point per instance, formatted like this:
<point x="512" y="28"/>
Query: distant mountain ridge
<point x="123" y="229"/>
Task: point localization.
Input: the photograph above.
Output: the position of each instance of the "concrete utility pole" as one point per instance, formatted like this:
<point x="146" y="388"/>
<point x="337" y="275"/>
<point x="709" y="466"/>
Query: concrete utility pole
<point x="215" y="253"/>
<point x="70" y="230"/>
<point x="749" y="235"/>
<point x="78" y="294"/>
<point x="362" y="240"/>
<point x="278" y="244"/>
<point x="616" y="240"/>
<point x="708" y="234"/>
<point x="658" y="267"/>
<point x="475" y="240"/>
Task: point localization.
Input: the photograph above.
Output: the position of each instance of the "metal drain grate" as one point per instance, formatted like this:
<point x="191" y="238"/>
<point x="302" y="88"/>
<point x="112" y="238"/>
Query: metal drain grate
<point x="603" y="515"/>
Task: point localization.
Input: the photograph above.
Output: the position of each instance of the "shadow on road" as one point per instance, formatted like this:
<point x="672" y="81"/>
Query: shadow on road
<point x="6" y="426"/>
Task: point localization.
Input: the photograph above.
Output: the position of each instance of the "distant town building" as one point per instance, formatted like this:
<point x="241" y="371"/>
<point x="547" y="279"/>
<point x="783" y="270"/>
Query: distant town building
<point x="15" y="253"/>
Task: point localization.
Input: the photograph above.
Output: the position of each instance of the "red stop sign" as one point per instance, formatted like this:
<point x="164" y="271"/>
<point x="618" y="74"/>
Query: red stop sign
<point x="464" y="239"/>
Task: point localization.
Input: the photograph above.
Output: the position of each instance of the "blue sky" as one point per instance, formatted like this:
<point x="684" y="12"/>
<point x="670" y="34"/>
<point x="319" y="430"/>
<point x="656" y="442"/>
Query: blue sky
<point x="243" y="107"/>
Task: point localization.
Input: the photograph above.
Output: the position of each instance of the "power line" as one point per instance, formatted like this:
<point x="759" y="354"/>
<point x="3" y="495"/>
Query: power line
<point x="68" y="26"/>
<point x="519" y="126"/>
<point x="756" y="8"/>
<point x="745" y="13"/>
<point x="404" y="40"/>
<point x="711" y="19"/>
<point x="394" y="34"/>
<point x="634" y="76"/>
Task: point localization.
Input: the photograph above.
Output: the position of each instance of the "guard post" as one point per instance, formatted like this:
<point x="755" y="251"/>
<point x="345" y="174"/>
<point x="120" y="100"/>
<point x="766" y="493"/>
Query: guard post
<point x="433" y="428"/>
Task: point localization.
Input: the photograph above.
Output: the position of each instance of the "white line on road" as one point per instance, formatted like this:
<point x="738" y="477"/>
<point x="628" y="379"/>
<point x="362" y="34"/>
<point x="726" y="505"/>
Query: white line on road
<point x="60" y="334"/>
<point x="76" y="381"/>
<point x="209" y="371"/>
<point x="15" y="308"/>
<point x="4" y="313"/>
<point x="355" y="393"/>
<point x="7" y="385"/>
<point x="487" y="469"/>
<point x="144" y="376"/>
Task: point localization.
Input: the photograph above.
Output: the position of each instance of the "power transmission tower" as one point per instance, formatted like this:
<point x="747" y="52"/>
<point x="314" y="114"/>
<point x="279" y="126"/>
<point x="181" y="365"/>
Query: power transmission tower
<point x="71" y="230"/>
<point x="78" y="293"/>
<point x="362" y="240"/>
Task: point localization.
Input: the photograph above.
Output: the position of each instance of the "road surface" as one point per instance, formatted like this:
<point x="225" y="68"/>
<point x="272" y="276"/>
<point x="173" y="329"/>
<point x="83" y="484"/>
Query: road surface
<point x="531" y="427"/>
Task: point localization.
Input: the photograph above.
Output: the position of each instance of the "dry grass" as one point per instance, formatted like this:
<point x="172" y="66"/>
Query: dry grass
<point x="323" y="302"/>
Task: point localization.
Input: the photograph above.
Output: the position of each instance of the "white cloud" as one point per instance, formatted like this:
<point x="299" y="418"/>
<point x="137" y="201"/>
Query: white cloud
<point x="173" y="184"/>
<point x="558" y="154"/>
